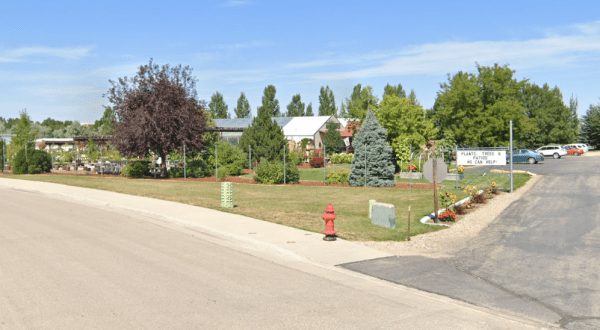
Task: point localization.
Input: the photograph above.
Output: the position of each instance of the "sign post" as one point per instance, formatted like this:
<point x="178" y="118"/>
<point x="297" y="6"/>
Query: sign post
<point x="435" y="170"/>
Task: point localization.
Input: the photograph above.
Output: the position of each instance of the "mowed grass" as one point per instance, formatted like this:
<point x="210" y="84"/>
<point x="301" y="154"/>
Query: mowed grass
<point x="290" y="205"/>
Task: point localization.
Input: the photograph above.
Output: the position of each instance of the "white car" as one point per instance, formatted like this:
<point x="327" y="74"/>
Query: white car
<point x="554" y="151"/>
<point x="581" y="146"/>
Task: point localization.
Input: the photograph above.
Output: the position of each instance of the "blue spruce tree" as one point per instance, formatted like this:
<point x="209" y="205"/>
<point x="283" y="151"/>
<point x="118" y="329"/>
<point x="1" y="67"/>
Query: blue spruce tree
<point x="370" y="143"/>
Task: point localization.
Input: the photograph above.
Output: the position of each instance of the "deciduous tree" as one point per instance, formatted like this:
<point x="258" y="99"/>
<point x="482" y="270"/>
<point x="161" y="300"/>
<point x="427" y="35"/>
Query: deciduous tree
<point x="296" y="107"/>
<point x="361" y="101"/>
<point x="590" y="128"/>
<point x="156" y="111"/>
<point x="309" y="110"/>
<point x="327" y="102"/>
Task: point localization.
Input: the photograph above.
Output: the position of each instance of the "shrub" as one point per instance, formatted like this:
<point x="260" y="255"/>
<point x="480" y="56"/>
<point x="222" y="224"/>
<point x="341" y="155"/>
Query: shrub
<point x="136" y="169"/>
<point x="316" y="162"/>
<point x="347" y="158"/>
<point x="222" y="173"/>
<point x="175" y="172"/>
<point x="295" y="158"/>
<point x="479" y="198"/>
<point x="336" y="158"/>
<point x="272" y="173"/>
<point x="197" y="168"/>
<point x="460" y="209"/>
<point x="339" y="176"/>
<point x="37" y="161"/>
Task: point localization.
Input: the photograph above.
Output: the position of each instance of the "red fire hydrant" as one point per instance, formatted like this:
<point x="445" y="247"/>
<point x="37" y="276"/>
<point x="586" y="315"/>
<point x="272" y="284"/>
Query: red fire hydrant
<point x="329" y="217"/>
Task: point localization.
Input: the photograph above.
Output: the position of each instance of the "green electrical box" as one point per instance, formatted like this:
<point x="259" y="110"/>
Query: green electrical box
<point x="226" y="194"/>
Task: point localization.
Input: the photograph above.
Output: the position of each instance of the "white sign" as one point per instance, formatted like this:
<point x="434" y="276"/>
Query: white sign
<point x="481" y="157"/>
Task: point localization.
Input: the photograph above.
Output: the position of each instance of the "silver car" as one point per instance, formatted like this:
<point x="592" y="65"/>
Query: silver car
<point x="555" y="151"/>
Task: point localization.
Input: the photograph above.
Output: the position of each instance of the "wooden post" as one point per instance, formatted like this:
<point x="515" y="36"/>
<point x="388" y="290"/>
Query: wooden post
<point x="408" y="233"/>
<point x="435" y="197"/>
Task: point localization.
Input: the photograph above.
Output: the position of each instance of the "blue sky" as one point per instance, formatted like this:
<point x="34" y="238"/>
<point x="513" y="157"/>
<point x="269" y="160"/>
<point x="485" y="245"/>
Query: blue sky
<point x="56" y="57"/>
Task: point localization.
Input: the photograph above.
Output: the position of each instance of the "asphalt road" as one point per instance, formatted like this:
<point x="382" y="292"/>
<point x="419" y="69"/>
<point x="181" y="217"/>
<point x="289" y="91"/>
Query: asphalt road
<point x="66" y="265"/>
<point x="540" y="258"/>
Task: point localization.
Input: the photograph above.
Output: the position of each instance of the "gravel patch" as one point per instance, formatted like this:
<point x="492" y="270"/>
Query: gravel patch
<point x="442" y="243"/>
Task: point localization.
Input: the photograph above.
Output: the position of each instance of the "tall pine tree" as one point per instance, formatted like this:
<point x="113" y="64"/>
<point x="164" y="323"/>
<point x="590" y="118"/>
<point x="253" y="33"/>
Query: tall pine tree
<point x="264" y="135"/>
<point x="217" y="107"/>
<point x="269" y="103"/>
<point x="243" y="107"/>
<point x="372" y="156"/>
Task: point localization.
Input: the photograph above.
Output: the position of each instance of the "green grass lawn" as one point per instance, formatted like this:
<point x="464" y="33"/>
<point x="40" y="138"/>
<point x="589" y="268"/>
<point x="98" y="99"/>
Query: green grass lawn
<point x="291" y="205"/>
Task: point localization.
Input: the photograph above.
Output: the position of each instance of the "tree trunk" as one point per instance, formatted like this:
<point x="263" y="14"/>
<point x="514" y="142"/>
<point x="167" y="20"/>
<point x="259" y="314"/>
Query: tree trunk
<point x="163" y="164"/>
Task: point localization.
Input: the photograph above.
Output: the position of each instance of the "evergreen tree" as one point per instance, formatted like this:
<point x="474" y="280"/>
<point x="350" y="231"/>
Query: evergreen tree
<point x="269" y="103"/>
<point x="296" y="107"/>
<point x="243" y="107"/>
<point x="264" y="136"/>
<point x="309" y="111"/>
<point x="333" y="141"/>
<point x="217" y="107"/>
<point x="370" y="146"/>
<point x="590" y="128"/>
<point x="327" y="102"/>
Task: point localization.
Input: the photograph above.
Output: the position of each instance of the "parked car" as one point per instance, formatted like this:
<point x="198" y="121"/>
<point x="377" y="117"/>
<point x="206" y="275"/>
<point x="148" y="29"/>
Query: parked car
<point x="525" y="156"/>
<point x="555" y="151"/>
<point x="581" y="146"/>
<point x="574" y="151"/>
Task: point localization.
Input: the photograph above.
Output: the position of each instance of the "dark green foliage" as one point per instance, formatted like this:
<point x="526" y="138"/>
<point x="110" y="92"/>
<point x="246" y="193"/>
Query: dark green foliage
<point x="243" y="107"/>
<point x="231" y="158"/>
<point x="394" y="90"/>
<point x="360" y="102"/>
<point x="333" y="139"/>
<point x="272" y="173"/>
<point x="37" y="161"/>
<point x="175" y="172"/>
<point x="370" y="143"/>
<point x="339" y="176"/>
<point x="270" y="104"/>
<point x="3" y="153"/>
<point x="309" y="110"/>
<point x="217" y="107"/>
<point x="136" y="169"/>
<point x="590" y="128"/>
<point x="264" y="136"/>
<point x="296" y="107"/>
<point x="327" y="102"/>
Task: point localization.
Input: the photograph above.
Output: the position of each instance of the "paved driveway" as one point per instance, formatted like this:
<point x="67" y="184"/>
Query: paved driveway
<point x="540" y="258"/>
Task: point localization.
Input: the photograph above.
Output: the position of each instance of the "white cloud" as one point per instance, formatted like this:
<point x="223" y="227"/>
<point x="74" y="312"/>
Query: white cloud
<point x="441" y="58"/>
<point x="235" y="3"/>
<point x="69" y="53"/>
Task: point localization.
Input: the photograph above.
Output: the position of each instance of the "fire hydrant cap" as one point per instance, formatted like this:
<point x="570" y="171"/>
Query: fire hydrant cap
<point x="329" y="209"/>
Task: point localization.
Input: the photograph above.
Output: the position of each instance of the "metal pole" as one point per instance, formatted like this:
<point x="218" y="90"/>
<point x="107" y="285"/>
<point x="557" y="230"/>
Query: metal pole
<point x="408" y="232"/>
<point x="410" y="167"/>
<point x="250" y="163"/>
<point x="365" y="165"/>
<point x="284" y="164"/>
<point x="435" y="199"/>
<point x="324" y="167"/>
<point x="511" y="157"/>
<point x="456" y="167"/>
<point x="216" y="163"/>
<point x="184" y="165"/>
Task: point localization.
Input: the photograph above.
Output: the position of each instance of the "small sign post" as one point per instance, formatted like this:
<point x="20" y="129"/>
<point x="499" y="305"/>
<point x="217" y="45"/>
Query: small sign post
<point x="435" y="170"/>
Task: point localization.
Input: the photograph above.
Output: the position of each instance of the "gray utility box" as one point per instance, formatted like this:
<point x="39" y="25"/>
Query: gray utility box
<point x="384" y="215"/>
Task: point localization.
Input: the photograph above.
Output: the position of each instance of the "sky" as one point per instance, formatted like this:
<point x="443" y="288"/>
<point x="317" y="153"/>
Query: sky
<point x="57" y="57"/>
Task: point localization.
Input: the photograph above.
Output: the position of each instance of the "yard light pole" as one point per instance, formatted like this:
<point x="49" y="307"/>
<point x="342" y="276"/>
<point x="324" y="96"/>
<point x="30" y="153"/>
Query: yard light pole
<point x="511" y="157"/>
<point x="365" y="165"/>
<point x="250" y="163"/>
<point x="284" y="164"/>
<point x="324" y="166"/>
<point x="184" y="164"/>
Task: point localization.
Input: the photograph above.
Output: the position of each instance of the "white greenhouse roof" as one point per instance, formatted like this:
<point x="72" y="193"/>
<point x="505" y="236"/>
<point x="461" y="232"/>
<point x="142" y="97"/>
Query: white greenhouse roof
<point x="304" y="126"/>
